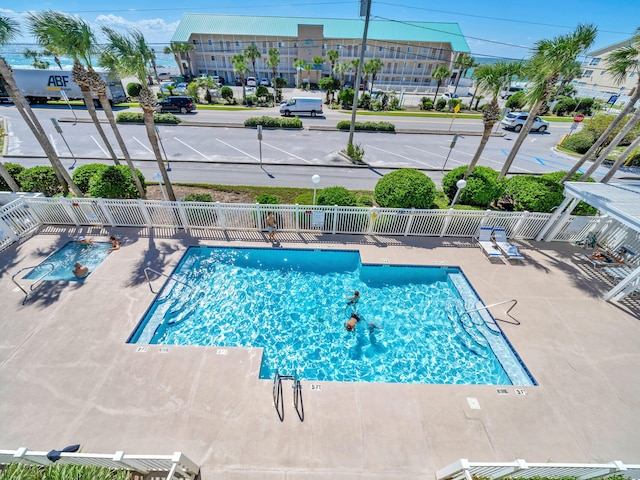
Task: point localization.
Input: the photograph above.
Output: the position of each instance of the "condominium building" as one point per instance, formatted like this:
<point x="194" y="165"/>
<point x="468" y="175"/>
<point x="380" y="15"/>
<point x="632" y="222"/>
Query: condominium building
<point x="410" y="51"/>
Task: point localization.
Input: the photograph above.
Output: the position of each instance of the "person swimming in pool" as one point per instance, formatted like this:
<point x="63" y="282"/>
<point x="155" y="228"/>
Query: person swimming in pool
<point x="80" y="271"/>
<point x="354" y="299"/>
<point x="85" y="242"/>
<point x="351" y="324"/>
<point x="115" y="244"/>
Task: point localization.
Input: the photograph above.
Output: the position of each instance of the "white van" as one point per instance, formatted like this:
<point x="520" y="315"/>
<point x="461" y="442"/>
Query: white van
<point x="251" y="82"/>
<point x="298" y="105"/>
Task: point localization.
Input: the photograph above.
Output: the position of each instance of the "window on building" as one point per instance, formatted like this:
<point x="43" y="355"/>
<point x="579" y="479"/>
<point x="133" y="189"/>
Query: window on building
<point x="424" y="50"/>
<point x="324" y="46"/>
<point x="595" y="61"/>
<point x="587" y="73"/>
<point x="210" y="42"/>
<point x="408" y="49"/>
<point x="195" y="42"/>
<point x="280" y="44"/>
<point x="338" y="47"/>
<point x="295" y="44"/>
<point x="419" y="65"/>
<point x="237" y="43"/>
<point x="380" y="49"/>
<point x="213" y="59"/>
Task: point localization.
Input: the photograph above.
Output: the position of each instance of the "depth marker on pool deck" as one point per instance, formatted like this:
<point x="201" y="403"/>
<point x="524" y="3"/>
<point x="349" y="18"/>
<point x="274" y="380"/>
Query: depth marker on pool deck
<point x="473" y="403"/>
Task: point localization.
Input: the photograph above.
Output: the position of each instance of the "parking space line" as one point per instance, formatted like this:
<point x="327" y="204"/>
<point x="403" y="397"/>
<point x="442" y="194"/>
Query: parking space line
<point x="494" y="161"/>
<point x="190" y="147"/>
<point x="398" y="155"/>
<point x="143" y="145"/>
<point x="100" y="147"/>
<point x="450" y="159"/>
<point x="419" y="150"/>
<point x="284" y="151"/>
<point x="53" y="144"/>
<point x="235" y="148"/>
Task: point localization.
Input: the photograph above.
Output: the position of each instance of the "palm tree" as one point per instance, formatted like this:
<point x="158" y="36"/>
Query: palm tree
<point x="252" y="53"/>
<point x="55" y="53"/>
<point x="372" y="67"/>
<point x="36" y="57"/>
<point x="8" y="31"/>
<point x="272" y="62"/>
<point x="489" y="79"/>
<point x="240" y="66"/>
<point x="73" y="37"/>
<point x="463" y="64"/>
<point x="569" y="72"/>
<point x="130" y="55"/>
<point x="317" y="66"/>
<point x="332" y="56"/>
<point x="299" y="65"/>
<point x="621" y="63"/>
<point x="178" y="50"/>
<point x="440" y="74"/>
<point x="341" y="68"/>
<point x="549" y="59"/>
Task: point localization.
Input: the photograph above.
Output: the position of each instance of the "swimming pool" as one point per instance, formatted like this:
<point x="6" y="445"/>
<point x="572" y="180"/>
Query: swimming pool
<point x="59" y="265"/>
<point x="292" y="303"/>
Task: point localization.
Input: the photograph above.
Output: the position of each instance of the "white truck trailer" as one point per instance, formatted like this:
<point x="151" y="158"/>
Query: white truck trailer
<point x="40" y="86"/>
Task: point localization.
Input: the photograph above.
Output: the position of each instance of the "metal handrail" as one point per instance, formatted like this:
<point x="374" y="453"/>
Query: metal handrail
<point x="486" y="307"/>
<point x="171" y="277"/>
<point x="278" y="395"/>
<point x="36" y="282"/>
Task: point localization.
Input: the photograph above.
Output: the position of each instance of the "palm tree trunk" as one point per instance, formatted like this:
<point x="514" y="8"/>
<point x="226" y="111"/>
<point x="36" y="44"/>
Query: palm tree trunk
<point x="108" y="111"/>
<point x="6" y="77"/>
<point x="616" y="121"/>
<point x="526" y="128"/>
<point x="620" y="161"/>
<point x="8" y="179"/>
<point x="486" y="133"/>
<point x="614" y="143"/>
<point x="149" y="124"/>
<point x="88" y="101"/>
<point x="436" y="94"/>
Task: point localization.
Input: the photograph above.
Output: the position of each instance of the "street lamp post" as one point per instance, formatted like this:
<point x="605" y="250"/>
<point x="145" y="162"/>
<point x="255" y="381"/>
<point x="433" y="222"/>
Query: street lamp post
<point x="59" y="130"/>
<point x="460" y="184"/>
<point x="316" y="180"/>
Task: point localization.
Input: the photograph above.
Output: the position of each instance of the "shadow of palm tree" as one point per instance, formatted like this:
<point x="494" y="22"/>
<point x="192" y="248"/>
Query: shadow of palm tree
<point x="155" y="256"/>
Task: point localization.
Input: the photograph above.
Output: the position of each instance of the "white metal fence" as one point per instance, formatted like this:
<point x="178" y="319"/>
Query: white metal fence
<point x="22" y="216"/>
<point x="465" y="470"/>
<point x="177" y="465"/>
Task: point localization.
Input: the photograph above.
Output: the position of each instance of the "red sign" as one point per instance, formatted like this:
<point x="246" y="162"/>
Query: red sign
<point x="578" y="118"/>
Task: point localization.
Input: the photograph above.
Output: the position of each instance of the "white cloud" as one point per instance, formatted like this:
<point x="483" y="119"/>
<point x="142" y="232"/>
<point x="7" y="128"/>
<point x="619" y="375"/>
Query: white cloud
<point x="155" y="30"/>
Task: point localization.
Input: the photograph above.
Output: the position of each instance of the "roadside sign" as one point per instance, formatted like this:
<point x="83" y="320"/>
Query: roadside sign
<point x="578" y="118"/>
<point x="456" y="109"/>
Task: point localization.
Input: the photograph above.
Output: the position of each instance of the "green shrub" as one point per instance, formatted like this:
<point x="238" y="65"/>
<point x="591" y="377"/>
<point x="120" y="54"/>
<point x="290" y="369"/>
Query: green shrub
<point x="345" y="97"/>
<point x="482" y="186"/>
<point x="304" y="199"/>
<point x="532" y="193"/>
<point x="273" y="122"/>
<point x="364" y="101"/>
<point x="364" y="201"/>
<point x="517" y="101"/>
<point x="441" y="104"/>
<point x="565" y="106"/>
<point x="585" y="105"/>
<point x="582" y="208"/>
<point x="367" y="126"/>
<point x="426" y="103"/>
<point x="132" y="117"/>
<point x="39" y="179"/>
<point x="267" y="199"/>
<point x="336" y="196"/>
<point x="580" y="141"/>
<point x="133" y="89"/>
<point x="14" y="170"/>
<point x="355" y="152"/>
<point x="198" y="197"/>
<point x="82" y="175"/>
<point x="405" y="188"/>
<point x="114" y="182"/>
<point x="227" y="94"/>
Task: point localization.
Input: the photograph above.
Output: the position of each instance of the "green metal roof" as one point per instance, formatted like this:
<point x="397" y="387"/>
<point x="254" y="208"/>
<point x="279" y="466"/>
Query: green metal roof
<point x="333" y="28"/>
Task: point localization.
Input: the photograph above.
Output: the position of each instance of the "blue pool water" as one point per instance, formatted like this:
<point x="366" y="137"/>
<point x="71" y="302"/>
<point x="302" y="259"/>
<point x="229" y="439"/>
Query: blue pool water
<point x="59" y="266"/>
<point x="292" y="304"/>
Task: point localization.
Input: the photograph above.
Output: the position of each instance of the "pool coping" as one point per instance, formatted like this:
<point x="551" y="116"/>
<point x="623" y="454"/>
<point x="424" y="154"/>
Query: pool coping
<point x="68" y="377"/>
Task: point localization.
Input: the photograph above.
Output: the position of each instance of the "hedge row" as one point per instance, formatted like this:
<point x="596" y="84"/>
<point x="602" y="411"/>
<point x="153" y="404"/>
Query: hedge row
<point x="273" y="122"/>
<point x="367" y="126"/>
<point x="132" y="117"/>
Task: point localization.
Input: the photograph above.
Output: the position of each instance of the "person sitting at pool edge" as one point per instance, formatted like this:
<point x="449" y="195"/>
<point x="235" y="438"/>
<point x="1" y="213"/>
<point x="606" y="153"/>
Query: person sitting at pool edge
<point x="355" y="299"/>
<point x="351" y="324"/>
<point x="115" y="244"/>
<point x="80" y="271"/>
<point x="85" y="242"/>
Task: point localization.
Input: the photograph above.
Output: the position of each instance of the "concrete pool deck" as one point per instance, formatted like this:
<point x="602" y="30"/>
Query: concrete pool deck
<point x="67" y="376"/>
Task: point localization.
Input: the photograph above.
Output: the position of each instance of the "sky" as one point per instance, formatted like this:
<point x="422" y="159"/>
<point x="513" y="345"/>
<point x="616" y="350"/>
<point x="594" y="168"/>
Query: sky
<point x="493" y="28"/>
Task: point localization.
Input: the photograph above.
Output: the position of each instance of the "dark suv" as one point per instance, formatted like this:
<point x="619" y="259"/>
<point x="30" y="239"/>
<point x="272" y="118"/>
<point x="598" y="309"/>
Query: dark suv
<point x="182" y="104"/>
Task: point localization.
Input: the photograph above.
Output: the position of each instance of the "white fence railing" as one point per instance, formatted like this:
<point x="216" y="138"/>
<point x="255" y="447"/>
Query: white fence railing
<point x="177" y="465"/>
<point x="24" y="215"/>
<point x="465" y="470"/>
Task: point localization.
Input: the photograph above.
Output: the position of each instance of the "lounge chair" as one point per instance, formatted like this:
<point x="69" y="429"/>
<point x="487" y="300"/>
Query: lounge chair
<point x="510" y="251"/>
<point x="590" y="241"/>
<point x="487" y="246"/>
<point x="617" y="259"/>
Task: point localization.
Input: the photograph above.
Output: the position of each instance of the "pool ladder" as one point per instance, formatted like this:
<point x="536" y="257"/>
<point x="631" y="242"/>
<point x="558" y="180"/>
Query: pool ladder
<point x="170" y="277"/>
<point x="278" y="395"/>
<point x="38" y="281"/>
<point x="486" y="307"/>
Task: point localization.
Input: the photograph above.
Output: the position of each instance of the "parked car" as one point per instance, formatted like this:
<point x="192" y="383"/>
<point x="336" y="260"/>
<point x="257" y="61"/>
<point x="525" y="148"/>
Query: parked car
<point x="238" y="82"/>
<point x="510" y="91"/>
<point x="515" y="121"/>
<point x="448" y="96"/>
<point x="264" y="81"/>
<point x="181" y="104"/>
<point x="219" y="80"/>
<point x="181" y="88"/>
<point x="251" y="82"/>
<point x="164" y="87"/>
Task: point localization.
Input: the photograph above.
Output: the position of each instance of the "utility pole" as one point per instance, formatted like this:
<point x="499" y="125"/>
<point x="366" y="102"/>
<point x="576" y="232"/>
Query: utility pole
<point x="365" y="6"/>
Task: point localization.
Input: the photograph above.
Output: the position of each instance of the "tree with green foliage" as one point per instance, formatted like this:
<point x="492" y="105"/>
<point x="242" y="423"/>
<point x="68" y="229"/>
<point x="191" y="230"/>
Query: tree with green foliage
<point x="517" y="101"/>
<point x="82" y="175"/>
<point x="13" y="170"/>
<point x="550" y="58"/>
<point x="329" y="85"/>
<point x="340" y="196"/>
<point x="178" y="50"/>
<point x="372" y="67"/>
<point x="483" y="186"/>
<point x="227" y="94"/>
<point x="345" y="97"/>
<point x="252" y="53"/>
<point x="114" y="182"/>
<point x="133" y="89"/>
<point x="39" y="179"/>
<point x="272" y="62"/>
<point x="36" y="58"/>
<point x="332" y="56"/>
<point x="239" y="62"/>
<point x="440" y="75"/>
<point x="405" y="188"/>
<point x="463" y="63"/>
<point x="299" y="65"/>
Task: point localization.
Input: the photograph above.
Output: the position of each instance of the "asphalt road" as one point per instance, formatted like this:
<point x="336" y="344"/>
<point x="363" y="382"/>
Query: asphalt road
<point x="231" y="155"/>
